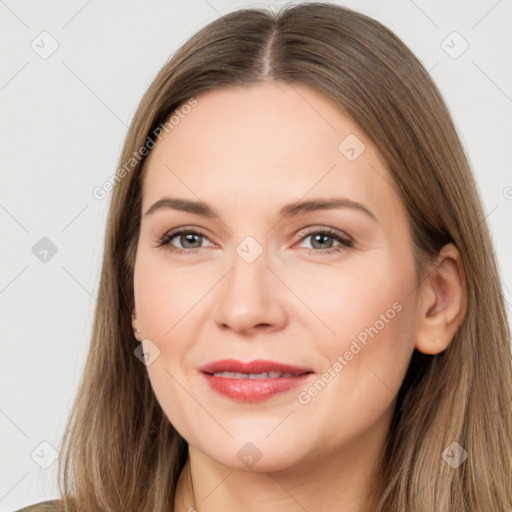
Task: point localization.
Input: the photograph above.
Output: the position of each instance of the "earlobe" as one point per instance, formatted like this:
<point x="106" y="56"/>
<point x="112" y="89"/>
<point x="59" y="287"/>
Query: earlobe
<point x="136" y="330"/>
<point x="443" y="302"/>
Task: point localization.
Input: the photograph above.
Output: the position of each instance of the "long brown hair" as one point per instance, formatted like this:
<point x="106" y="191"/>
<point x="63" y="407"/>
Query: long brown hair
<point x="120" y="451"/>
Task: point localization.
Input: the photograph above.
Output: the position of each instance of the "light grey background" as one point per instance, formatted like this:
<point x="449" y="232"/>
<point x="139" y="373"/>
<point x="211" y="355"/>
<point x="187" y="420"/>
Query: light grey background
<point x="63" y="121"/>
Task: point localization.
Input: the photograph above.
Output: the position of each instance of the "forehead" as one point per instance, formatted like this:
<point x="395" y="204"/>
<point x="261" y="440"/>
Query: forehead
<point x="273" y="141"/>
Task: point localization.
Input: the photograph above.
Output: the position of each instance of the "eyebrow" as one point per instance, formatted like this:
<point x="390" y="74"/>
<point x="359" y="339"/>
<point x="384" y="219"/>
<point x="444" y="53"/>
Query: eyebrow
<point x="289" y="210"/>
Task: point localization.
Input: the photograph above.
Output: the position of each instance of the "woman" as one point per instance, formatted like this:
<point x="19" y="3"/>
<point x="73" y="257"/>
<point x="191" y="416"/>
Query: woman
<point x="299" y="306"/>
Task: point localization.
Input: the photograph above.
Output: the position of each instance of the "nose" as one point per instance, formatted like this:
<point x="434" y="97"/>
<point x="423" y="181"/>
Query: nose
<point x="251" y="298"/>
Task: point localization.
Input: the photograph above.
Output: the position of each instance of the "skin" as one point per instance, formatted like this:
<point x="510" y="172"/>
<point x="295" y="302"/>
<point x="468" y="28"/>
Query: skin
<point x="247" y="152"/>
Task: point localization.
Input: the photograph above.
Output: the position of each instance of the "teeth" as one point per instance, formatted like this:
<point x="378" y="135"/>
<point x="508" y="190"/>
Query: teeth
<point x="264" y="375"/>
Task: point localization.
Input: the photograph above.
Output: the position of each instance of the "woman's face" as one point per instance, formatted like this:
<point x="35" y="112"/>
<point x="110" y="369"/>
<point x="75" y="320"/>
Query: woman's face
<point x="330" y="291"/>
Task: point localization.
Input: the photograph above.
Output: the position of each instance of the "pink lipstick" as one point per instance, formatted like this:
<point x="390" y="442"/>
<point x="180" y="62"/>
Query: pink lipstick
<point x="254" y="381"/>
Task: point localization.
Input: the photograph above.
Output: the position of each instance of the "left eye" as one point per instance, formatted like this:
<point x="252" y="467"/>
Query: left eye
<point x="322" y="242"/>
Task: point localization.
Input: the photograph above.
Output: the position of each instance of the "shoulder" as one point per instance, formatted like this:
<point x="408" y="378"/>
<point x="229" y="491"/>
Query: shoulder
<point x="43" y="506"/>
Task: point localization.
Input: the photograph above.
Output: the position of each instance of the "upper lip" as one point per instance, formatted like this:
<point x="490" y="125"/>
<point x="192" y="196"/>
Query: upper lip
<point x="257" y="366"/>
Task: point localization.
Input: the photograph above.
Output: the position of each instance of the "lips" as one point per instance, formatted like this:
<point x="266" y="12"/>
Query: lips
<point x="252" y="367"/>
<point x="253" y="381"/>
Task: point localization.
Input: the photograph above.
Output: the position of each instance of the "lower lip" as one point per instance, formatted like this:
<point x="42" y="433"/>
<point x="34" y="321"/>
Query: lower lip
<point x="253" y="390"/>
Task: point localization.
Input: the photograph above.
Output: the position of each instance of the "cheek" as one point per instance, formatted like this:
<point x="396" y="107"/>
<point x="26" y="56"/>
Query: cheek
<point x="365" y="360"/>
<point x="164" y="299"/>
<point x="369" y="311"/>
<point x="164" y="296"/>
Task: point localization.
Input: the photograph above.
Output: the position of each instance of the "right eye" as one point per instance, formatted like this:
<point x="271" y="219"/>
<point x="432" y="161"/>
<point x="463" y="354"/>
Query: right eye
<point x="188" y="239"/>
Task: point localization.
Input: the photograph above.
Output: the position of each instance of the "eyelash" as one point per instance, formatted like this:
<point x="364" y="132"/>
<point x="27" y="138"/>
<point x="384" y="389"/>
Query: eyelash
<point x="344" y="242"/>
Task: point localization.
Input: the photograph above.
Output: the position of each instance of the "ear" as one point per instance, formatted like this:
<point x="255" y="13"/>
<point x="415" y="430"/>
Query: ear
<point x="135" y="324"/>
<point x="442" y="302"/>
